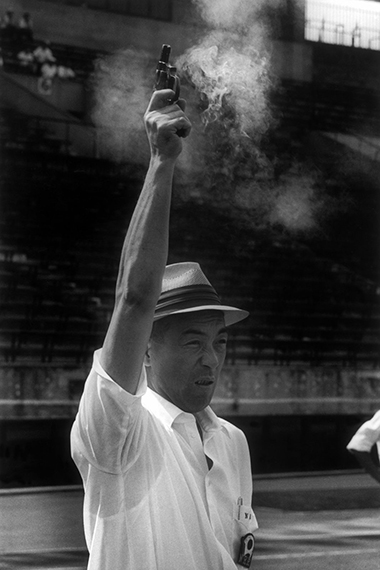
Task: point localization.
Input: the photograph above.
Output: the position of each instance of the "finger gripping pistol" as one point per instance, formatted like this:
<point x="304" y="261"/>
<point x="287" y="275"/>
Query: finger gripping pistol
<point x="166" y="74"/>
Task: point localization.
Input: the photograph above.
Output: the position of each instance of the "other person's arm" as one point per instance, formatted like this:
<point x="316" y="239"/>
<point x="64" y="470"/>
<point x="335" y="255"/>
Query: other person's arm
<point x="362" y="443"/>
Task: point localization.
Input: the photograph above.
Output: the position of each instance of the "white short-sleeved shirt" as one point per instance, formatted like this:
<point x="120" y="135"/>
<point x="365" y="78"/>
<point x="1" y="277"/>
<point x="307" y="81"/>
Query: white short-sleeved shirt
<point x="367" y="435"/>
<point x="151" y="501"/>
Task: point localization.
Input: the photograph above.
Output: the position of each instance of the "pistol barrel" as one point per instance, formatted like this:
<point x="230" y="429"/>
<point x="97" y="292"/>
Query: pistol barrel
<point x="165" y="53"/>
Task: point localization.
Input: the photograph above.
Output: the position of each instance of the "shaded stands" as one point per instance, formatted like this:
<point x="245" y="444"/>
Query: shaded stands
<point x="61" y="235"/>
<point x="34" y="133"/>
<point x="329" y="106"/>
<point x="341" y="95"/>
<point x="304" y="306"/>
<point x="62" y="230"/>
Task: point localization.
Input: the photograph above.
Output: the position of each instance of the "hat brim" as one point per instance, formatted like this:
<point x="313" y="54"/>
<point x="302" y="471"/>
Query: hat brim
<point x="232" y="315"/>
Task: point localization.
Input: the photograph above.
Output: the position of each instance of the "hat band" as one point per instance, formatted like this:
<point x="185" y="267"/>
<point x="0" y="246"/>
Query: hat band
<point x="186" y="298"/>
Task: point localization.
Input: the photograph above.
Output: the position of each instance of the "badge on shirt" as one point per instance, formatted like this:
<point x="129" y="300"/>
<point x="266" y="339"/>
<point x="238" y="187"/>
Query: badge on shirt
<point x="247" y="545"/>
<point x="244" y="513"/>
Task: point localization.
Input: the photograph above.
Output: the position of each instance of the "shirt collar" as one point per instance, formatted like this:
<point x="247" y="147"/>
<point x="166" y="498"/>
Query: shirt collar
<point x="164" y="410"/>
<point x="168" y="413"/>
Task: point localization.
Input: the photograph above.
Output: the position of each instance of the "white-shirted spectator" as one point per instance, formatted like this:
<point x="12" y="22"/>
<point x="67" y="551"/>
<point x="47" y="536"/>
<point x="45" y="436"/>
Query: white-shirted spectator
<point x="26" y="59"/>
<point x="64" y="72"/>
<point x="43" y="53"/>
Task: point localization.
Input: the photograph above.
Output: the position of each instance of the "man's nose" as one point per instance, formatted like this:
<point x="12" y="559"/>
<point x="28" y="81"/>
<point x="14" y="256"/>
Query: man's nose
<point x="210" y="358"/>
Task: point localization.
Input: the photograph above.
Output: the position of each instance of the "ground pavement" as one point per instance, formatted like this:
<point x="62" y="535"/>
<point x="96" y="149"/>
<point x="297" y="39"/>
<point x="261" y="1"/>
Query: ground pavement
<point x="309" y="522"/>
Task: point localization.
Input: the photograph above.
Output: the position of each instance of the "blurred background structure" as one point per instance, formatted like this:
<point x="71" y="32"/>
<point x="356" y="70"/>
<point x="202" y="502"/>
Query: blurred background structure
<point x="280" y="210"/>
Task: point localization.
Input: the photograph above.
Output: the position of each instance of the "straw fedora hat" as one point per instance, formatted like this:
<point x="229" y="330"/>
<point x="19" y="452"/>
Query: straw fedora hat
<point x="185" y="289"/>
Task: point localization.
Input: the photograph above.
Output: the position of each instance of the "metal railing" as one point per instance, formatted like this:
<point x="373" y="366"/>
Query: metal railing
<point x="348" y="25"/>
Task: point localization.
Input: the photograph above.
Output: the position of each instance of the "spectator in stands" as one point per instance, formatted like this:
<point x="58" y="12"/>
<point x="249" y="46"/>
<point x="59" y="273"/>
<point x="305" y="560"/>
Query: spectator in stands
<point x="64" y="72"/>
<point x="26" y="59"/>
<point x="25" y="27"/>
<point x="168" y="483"/>
<point x="48" y="70"/>
<point x="43" y="54"/>
<point x="7" y="26"/>
<point x="362" y="443"/>
<point x="7" y="20"/>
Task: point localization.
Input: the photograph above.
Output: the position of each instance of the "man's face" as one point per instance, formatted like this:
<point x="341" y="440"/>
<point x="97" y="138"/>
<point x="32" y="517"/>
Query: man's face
<point x="186" y="359"/>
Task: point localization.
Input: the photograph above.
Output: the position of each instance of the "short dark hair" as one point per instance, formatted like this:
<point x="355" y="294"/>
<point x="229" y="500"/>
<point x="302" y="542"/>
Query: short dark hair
<point x="159" y="329"/>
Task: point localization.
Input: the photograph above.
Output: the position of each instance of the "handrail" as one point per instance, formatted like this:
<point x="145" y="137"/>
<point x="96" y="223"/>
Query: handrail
<point x="342" y="25"/>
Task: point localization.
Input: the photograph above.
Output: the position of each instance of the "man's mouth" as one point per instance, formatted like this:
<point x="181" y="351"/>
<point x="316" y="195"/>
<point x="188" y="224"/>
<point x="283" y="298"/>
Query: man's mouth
<point x="204" y="382"/>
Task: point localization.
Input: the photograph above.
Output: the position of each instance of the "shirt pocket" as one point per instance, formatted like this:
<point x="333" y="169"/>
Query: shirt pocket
<point x="244" y="523"/>
<point x="245" y="518"/>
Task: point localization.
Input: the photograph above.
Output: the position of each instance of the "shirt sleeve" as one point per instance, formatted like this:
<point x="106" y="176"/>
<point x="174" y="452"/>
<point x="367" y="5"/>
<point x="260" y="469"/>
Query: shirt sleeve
<point x="367" y="435"/>
<point x="109" y="422"/>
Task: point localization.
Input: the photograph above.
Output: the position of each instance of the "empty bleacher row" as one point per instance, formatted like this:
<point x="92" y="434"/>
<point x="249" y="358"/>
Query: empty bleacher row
<point x="56" y="253"/>
<point x="63" y="223"/>
<point x="301" y="310"/>
<point x="328" y="107"/>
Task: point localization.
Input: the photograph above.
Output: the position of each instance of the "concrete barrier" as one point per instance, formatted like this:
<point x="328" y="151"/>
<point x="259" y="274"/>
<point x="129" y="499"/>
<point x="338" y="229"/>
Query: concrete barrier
<point x="39" y="519"/>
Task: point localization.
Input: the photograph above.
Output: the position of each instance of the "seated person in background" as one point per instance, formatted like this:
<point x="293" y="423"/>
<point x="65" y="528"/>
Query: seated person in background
<point x="64" y="72"/>
<point x="48" y="70"/>
<point x="7" y="26"/>
<point x="362" y="443"/>
<point x="26" y="59"/>
<point x="43" y="54"/>
<point x="168" y="484"/>
<point x="25" y="28"/>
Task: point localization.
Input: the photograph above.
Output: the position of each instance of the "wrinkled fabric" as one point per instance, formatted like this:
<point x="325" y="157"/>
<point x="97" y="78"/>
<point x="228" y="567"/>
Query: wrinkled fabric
<point x="367" y="435"/>
<point x="151" y="501"/>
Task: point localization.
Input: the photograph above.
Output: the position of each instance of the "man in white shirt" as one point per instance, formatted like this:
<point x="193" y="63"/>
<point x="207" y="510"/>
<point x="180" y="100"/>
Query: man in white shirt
<point x="362" y="443"/>
<point x="167" y="483"/>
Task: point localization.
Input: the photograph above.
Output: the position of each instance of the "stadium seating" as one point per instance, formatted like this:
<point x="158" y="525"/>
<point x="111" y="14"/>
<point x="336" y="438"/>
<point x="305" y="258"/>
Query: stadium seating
<point x="59" y="252"/>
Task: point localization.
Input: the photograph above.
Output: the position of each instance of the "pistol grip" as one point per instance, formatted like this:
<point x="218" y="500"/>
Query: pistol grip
<point x="161" y="79"/>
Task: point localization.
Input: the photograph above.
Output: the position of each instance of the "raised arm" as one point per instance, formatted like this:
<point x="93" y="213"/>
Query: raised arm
<point x="145" y="249"/>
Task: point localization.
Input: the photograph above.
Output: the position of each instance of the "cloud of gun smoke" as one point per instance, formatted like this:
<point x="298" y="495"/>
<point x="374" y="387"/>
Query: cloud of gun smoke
<point x="226" y="79"/>
<point x="229" y="67"/>
<point x="230" y="70"/>
<point x="230" y="76"/>
<point x="232" y="14"/>
<point x="122" y="86"/>
<point x="295" y="202"/>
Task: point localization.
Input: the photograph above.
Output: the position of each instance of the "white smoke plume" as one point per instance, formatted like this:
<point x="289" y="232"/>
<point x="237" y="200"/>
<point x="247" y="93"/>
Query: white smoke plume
<point x="229" y="67"/>
<point x="230" y="75"/>
<point x="227" y="70"/>
<point x="122" y="86"/>
<point x="232" y="14"/>
<point x="230" y="70"/>
<point x="227" y="81"/>
<point x="295" y="202"/>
